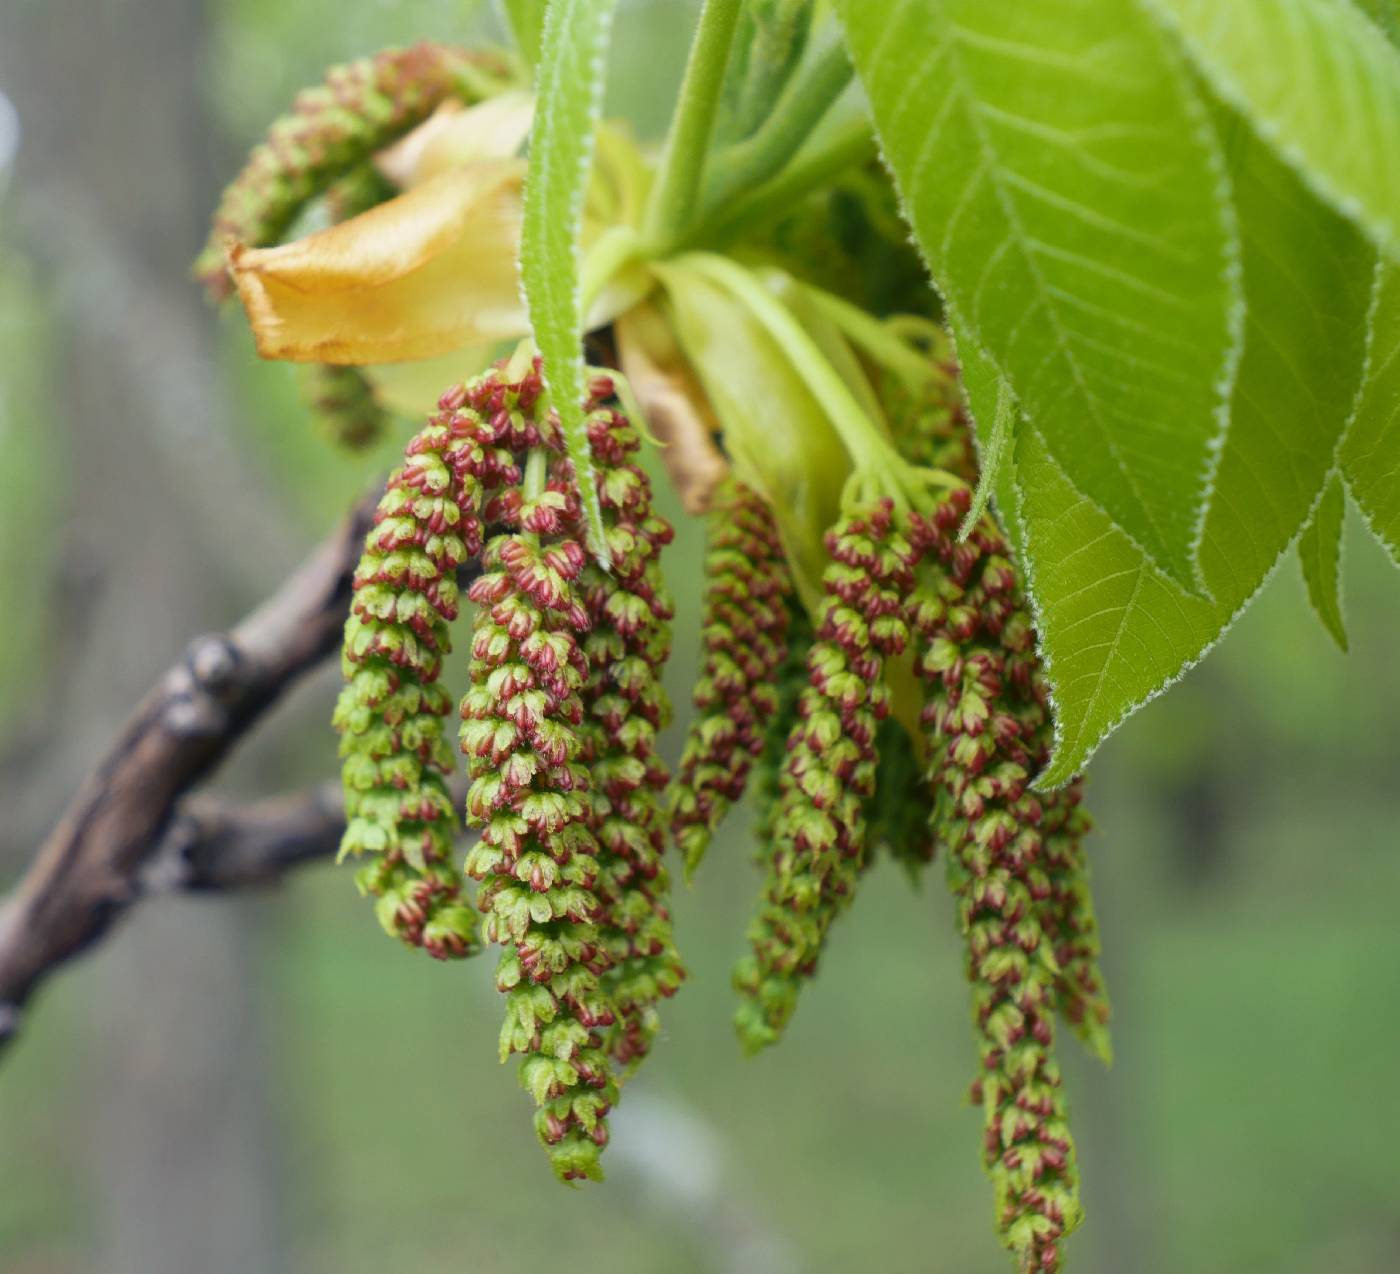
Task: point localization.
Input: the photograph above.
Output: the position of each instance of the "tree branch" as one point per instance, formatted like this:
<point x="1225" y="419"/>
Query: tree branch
<point x="128" y="811"/>
<point x="213" y="843"/>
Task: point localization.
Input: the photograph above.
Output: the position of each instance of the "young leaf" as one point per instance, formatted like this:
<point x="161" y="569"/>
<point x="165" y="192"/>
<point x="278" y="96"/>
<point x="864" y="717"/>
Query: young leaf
<point x="1370" y="452"/>
<point x="570" y="90"/>
<point x="1320" y="554"/>
<point x="1115" y="630"/>
<point x="1319" y="83"/>
<point x="1060" y="177"/>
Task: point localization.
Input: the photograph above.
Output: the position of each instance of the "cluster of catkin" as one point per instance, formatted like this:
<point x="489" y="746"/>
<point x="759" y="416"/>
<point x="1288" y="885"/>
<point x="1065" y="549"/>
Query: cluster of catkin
<point x="839" y="778"/>
<point x="559" y="726"/>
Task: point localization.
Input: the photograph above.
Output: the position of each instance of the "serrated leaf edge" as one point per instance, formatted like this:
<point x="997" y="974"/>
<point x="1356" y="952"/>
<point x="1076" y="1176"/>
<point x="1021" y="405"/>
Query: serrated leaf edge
<point x="564" y="387"/>
<point x="1224" y="84"/>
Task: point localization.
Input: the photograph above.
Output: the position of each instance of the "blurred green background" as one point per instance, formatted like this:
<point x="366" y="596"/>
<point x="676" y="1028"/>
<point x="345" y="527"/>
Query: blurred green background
<point x="265" y="1084"/>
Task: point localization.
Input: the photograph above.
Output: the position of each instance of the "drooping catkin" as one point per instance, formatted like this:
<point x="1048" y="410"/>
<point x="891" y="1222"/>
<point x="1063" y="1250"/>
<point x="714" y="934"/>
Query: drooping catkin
<point x="390" y="712"/>
<point x="829" y="773"/>
<point x="625" y="706"/>
<point x="1068" y="916"/>
<point x="930" y="422"/>
<point x="899" y="815"/>
<point x="743" y="637"/>
<point x="931" y="426"/>
<point x="789" y="681"/>
<point x="974" y="645"/>
<point x="332" y="129"/>
<point x="345" y="405"/>
<point x="537" y="859"/>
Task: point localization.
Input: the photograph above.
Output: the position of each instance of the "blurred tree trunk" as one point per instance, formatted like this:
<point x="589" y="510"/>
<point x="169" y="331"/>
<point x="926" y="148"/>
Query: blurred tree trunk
<point x="111" y="189"/>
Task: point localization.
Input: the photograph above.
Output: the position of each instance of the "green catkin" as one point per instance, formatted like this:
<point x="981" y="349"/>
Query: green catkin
<point x="932" y="428"/>
<point x="789" y="681"/>
<point x="625" y="707"/>
<point x="743" y="637"/>
<point x="536" y="861"/>
<point x="332" y="129"/>
<point x="362" y="188"/>
<point x="930" y="423"/>
<point x="829" y="773"/>
<point x="390" y="713"/>
<point x="976" y="652"/>
<point x="344" y="403"/>
<point x="899" y="814"/>
<point x="1068" y="916"/>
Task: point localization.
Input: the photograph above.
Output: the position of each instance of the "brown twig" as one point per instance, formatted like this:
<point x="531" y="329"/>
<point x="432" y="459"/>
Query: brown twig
<point x="214" y="843"/>
<point x="93" y="865"/>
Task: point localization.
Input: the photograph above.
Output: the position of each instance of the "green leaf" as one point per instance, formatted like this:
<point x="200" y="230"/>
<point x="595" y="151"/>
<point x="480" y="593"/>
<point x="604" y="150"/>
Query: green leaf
<point x="994" y="444"/>
<point x="1115" y="630"/>
<point x="1319" y="82"/>
<point x="1067" y="193"/>
<point x="526" y="21"/>
<point x="1370" y="454"/>
<point x="569" y="88"/>
<point x="1386" y="15"/>
<point x="1320" y="553"/>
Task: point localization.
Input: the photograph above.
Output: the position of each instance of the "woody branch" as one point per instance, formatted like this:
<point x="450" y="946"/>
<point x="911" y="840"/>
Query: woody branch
<point x="133" y="828"/>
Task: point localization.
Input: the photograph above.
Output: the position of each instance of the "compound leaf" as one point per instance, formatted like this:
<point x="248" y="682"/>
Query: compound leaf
<point x="1320" y="83"/>
<point x="1057" y="166"/>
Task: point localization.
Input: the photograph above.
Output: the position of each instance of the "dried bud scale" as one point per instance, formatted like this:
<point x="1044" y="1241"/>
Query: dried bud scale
<point x="625" y="707"/>
<point x="972" y="643"/>
<point x="343" y="398"/>
<point x="829" y="773"/>
<point x="743" y="634"/>
<point x="331" y="129"/>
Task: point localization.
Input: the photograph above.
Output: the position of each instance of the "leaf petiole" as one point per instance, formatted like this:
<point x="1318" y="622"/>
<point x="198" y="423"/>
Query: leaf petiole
<point x="672" y="200"/>
<point x="799" y="108"/>
<point x="870" y="451"/>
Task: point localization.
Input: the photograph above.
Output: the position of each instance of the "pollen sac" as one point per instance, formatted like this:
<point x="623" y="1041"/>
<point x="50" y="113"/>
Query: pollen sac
<point x="829" y="771"/>
<point x="1015" y="867"/>
<point x="743" y="638"/>
<point x="331" y="131"/>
